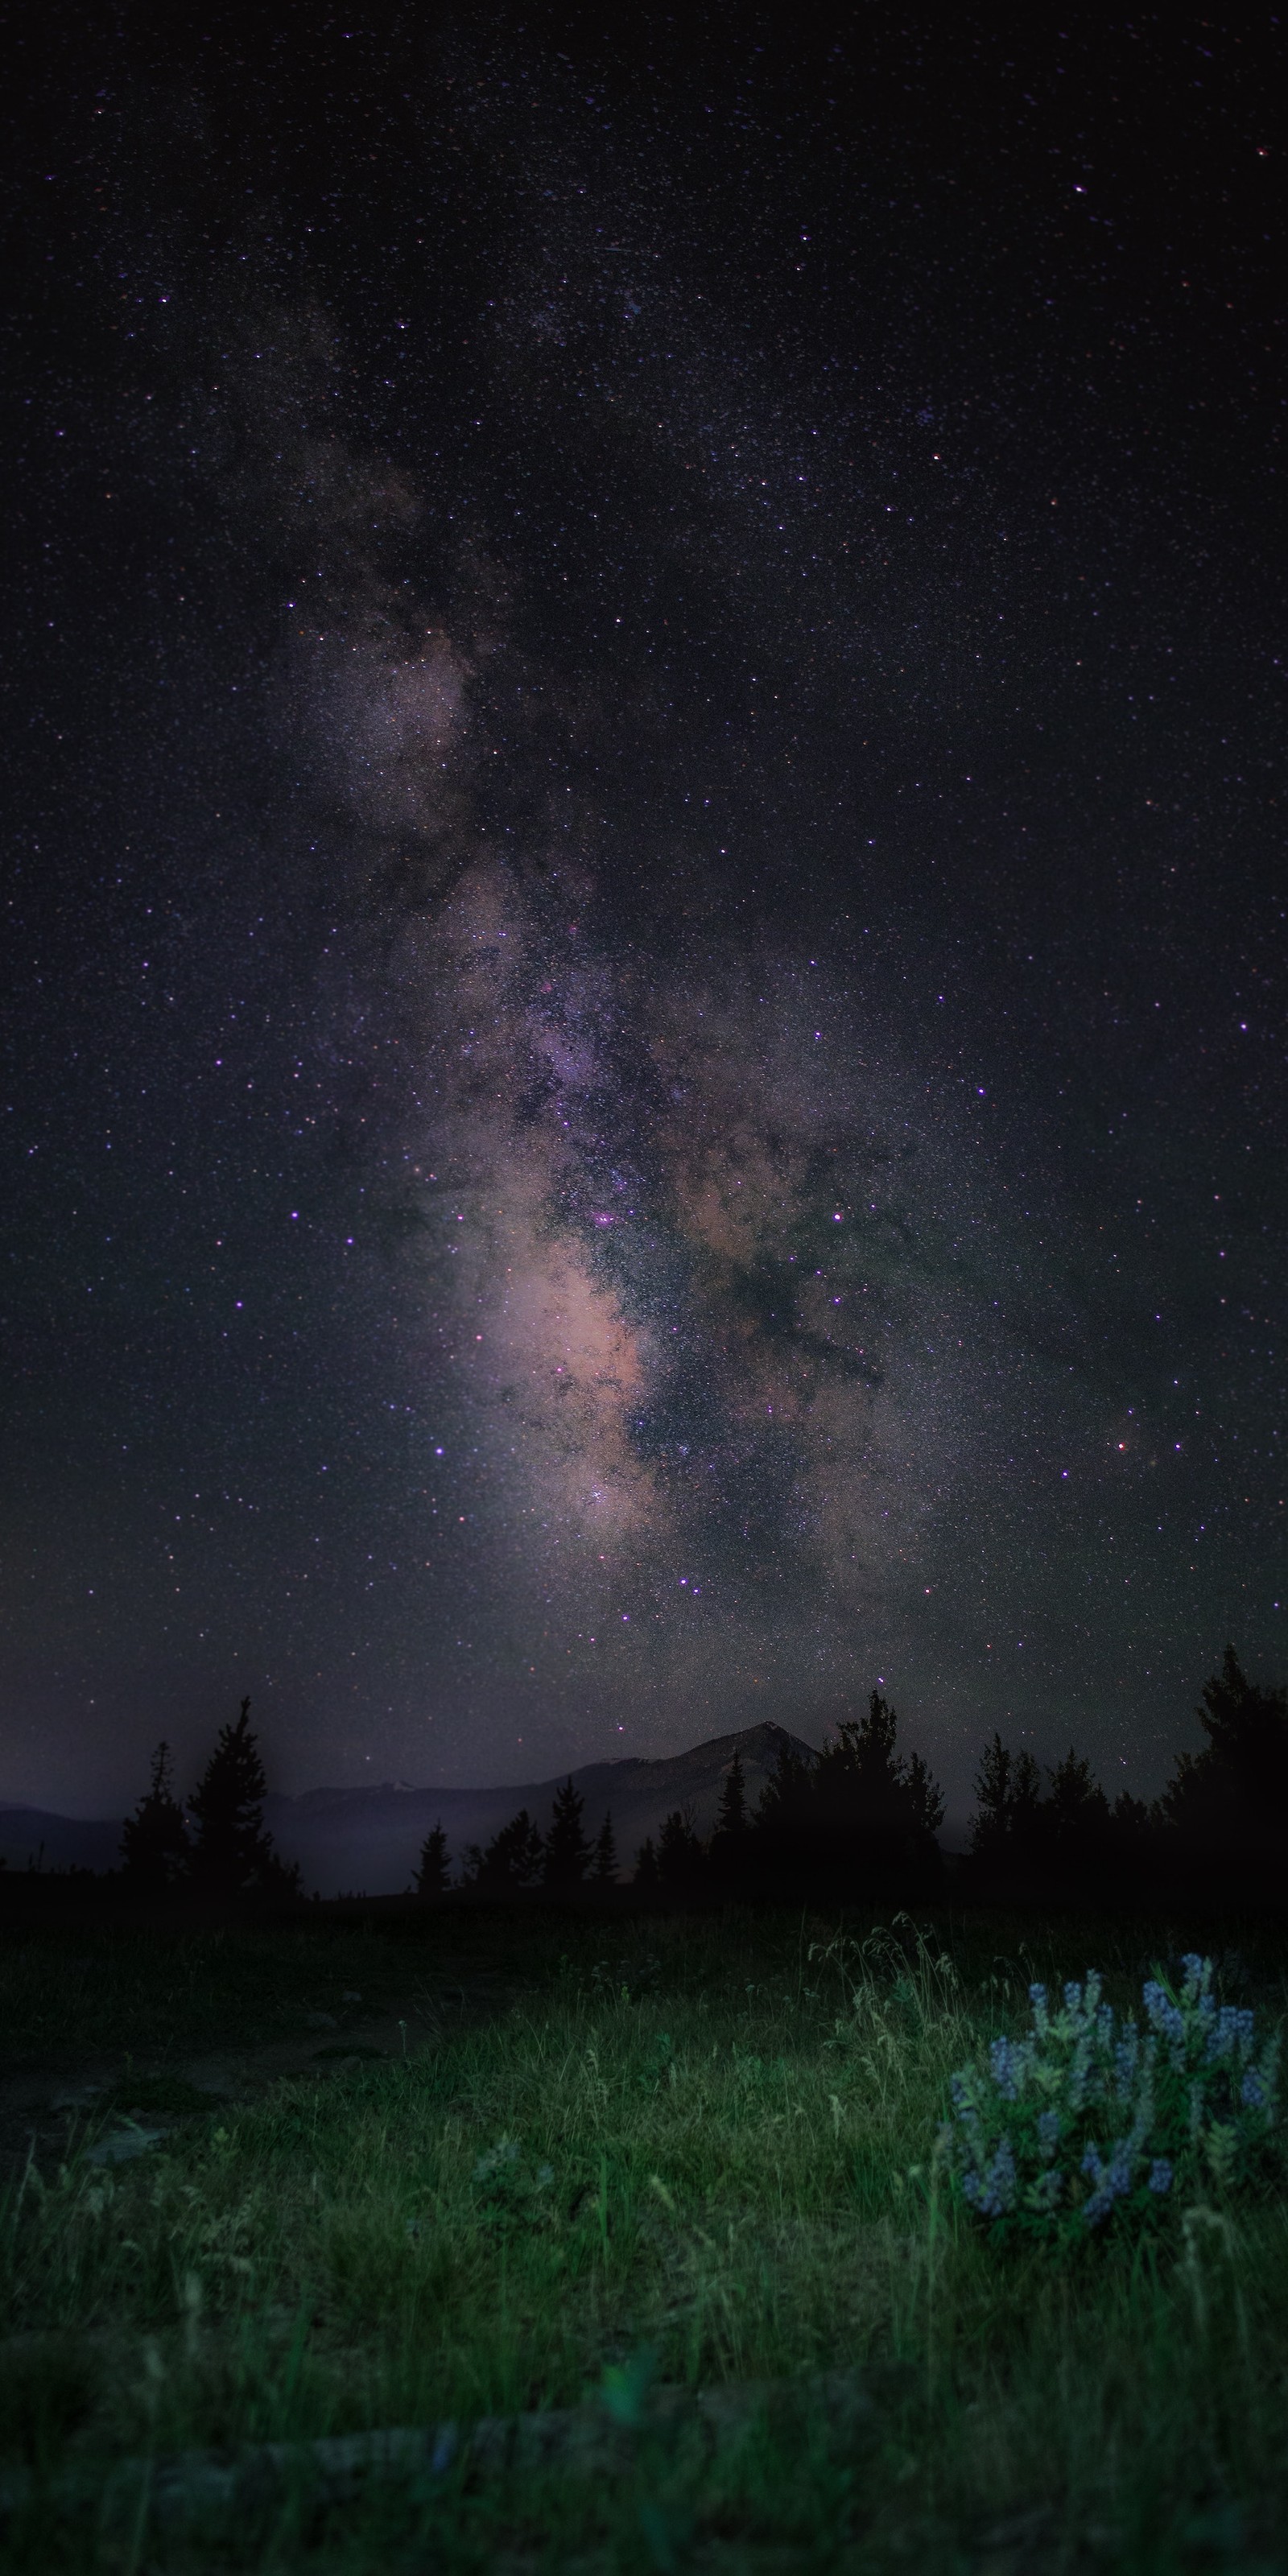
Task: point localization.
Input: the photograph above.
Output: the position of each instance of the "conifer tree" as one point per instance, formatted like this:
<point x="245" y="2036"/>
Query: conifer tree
<point x="785" y="1791"/>
<point x="859" y="1810"/>
<point x="433" y="1876"/>
<point x="233" y="1854"/>
<point x="567" y="1852"/>
<point x="1233" y="1794"/>
<point x="730" y="1847"/>
<point x="647" y="1879"/>
<point x="604" y="1871"/>
<point x="1075" y="1814"/>
<point x="991" y="1820"/>
<point x="1025" y="1820"/>
<point x="155" y="1849"/>
<point x="1017" y="1829"/>
<point x="925" y="1796"/>
<point x="679" y="1852"/>
<point x="510" y="1862"/>
<point x="731" y="1814"/>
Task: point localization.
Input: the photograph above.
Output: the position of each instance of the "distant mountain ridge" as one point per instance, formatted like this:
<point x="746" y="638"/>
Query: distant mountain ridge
<point x="368" y="1840"/>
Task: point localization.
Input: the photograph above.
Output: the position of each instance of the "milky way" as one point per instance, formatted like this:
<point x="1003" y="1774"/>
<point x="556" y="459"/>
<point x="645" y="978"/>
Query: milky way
<point x="650" y="1080"/>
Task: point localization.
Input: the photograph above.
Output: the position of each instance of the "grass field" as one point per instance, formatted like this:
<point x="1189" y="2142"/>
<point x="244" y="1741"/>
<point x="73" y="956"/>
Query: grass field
<point x="619" y="2154"/>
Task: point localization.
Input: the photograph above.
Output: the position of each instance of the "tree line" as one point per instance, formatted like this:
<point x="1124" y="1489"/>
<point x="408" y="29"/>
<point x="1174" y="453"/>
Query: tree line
<point x="857" y="1806"/>
<point x="858" y="1818"/>
<point x="1220" y="1824"/>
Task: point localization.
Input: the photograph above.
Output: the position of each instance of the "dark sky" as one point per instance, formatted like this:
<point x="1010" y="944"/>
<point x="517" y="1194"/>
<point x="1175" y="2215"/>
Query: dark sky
<point x="645" y="974"/>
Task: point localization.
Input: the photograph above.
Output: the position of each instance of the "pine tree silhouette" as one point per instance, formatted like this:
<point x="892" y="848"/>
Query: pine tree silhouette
<point x="730" y="1848"/>
<point x="1131" y="1818"/>
<point x="1075" y="1817"/>
<point x="433" y="1876"/>
<point x="1233" y="1796"/>
<point x="1024" y="1826"/>
<point x="510" y="1862"/>
<point x="731" y="1814"/>
<point x="234" y="1855"/>
<point x="857" y="1811"/>
<point x="567" y="1852"/>
<point x="679" y="1853"/>
<point x="155" y="1849"/>
<point x="925" y="1796"/>
<point x="647" y="1878"/>
<point x="1006" y="1829"/>
<point x="1020" y="1833"/>
<point x="990" y="1823"/>
<point x="604" y="1871"/>
<point x="870" y="1812"/>
<point x="782" y="1797"/>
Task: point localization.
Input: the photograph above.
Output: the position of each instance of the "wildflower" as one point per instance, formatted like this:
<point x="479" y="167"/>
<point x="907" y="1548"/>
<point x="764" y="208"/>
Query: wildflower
<point x="1166" y="2018"/>
<point x="1006" y="2068"/>
<point x="1079" y="2073"/>
<point x="1110" y="2180"/>
<point x="1126" y="2060"/>
<point x="1180" y="2085"/>
<point x="997" y="2194"/>
<point x="1232" y="2032"/>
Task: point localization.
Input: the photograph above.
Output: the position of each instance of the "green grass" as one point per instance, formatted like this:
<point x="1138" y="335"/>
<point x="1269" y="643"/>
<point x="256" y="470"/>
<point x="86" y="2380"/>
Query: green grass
<point x="705" y="2141"/>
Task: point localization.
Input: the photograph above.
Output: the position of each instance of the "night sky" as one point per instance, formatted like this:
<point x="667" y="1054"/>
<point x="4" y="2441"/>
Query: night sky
<point x="644" y="993"/>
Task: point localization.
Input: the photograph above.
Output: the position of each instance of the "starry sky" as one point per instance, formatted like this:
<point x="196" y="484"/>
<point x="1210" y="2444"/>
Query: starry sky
<point x="644" y="993"/>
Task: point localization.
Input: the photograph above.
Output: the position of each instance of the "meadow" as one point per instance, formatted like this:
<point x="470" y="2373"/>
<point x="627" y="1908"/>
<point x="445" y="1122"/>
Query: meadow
<point x="663" y="2188"/>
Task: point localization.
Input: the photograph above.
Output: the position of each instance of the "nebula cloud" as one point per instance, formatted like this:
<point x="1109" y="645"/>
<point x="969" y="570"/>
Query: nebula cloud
<point x="687" y="1251"/>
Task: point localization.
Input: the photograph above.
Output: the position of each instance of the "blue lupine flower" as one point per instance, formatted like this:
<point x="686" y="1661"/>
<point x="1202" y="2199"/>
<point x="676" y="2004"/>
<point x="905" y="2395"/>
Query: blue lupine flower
<point x="1230" y="2033"/>
<point x="998" y="2193"/>
<point x="1111" y="2180"/>
<point x="1086" y="2061"/>
<point x="1005" y="2068"/>
<point x="1079" y="2070"/>
<point x="1163" y="2014"/>
<point x="1126" y="2060"/>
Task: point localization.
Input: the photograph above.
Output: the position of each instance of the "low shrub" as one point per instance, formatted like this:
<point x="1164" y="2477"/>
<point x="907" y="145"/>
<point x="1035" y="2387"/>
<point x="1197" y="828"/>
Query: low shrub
<point x="1096" y="2124"/>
